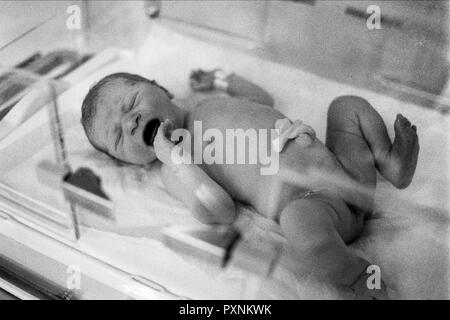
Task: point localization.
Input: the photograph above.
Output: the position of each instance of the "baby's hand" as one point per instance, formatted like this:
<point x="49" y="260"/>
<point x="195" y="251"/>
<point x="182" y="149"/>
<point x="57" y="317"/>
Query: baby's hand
<point x="163" y="146"/>
<point x="202" y="80"/>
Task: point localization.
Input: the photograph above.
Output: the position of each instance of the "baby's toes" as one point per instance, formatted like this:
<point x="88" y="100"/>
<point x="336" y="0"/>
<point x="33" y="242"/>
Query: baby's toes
<point x="398" y="123"/>
<point x="403" y="127"/>
<point x="402" y="122"/>
<point x="414" y="131"/>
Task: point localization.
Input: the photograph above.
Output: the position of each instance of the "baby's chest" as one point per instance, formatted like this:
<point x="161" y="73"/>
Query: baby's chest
<point x="229" y="114"/>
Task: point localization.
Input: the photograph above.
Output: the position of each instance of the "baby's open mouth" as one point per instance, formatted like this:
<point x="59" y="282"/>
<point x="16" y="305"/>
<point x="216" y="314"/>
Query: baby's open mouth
<point x="150" y="131"/>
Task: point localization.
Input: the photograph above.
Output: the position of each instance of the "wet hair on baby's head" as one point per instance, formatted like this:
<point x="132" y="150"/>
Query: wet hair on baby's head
<point x="90" y="102"/>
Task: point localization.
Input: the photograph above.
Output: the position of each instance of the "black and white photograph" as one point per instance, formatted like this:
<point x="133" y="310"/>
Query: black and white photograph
<point x="233" y="152"/>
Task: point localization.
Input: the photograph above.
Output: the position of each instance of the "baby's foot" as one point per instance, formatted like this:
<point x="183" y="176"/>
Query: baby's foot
<point x="402" y="158"/>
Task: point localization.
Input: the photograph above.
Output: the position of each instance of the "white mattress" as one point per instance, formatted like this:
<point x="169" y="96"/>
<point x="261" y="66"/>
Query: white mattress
<point x="408" y="240"/>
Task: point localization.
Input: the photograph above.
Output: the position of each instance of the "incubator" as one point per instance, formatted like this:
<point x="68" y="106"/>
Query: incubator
<point x="74" y="224"/>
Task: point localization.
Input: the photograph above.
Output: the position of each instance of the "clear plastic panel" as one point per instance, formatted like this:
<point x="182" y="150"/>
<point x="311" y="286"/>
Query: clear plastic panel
<point x="31" y="189"/>
<point x="39" y="57"/>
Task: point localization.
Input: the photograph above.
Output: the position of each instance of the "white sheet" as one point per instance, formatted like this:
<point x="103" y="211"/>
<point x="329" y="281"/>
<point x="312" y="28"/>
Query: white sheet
<point x="409" y="242"/>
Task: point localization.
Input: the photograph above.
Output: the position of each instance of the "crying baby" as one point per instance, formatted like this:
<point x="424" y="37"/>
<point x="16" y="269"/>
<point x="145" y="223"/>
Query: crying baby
<point x="134" y="120"/>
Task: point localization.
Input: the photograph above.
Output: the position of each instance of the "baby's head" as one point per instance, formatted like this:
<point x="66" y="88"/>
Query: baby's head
<point x="121" y="115"/>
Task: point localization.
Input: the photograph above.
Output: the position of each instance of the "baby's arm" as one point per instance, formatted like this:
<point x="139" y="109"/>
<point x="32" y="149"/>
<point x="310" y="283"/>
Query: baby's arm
<point x="208" y="201"/>
<point x="233" y="84"/>
<point x="242" y="88"/>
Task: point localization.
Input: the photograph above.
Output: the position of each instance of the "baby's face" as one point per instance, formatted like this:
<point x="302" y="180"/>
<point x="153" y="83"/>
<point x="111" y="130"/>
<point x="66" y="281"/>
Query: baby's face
<point x="127" y="119"/>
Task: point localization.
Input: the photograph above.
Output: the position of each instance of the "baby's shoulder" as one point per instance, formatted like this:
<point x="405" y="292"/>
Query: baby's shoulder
<point x="199" y="100"/>
<point x="210" y="105"/>
<point x="212" y="101"/>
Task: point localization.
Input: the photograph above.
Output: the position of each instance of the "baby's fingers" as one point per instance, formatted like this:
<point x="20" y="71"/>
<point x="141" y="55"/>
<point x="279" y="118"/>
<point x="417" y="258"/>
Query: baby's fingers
<point x="197" y="74"/>
<point x="194" y="76"/>
<point x="200" y="86"/>
<point x="164" y="128"/>
<point x="195" y="84"/>
<point x="160" y="138"/>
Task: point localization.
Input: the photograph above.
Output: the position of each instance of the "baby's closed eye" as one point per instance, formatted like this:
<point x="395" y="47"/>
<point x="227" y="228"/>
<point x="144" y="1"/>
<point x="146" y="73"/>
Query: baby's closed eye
<point x="132" y="102"/>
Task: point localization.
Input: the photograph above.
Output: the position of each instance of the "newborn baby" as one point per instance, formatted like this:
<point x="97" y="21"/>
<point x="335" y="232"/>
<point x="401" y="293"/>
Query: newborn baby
<point x="131" y="119"/>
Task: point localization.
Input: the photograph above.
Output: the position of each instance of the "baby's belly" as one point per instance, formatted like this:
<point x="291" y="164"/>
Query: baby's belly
<point x="296" y="176"/>
<point x="268" y="194"/>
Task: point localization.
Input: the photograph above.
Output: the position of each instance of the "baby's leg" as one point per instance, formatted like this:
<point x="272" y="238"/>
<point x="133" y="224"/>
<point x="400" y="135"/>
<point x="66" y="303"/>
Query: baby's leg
<point x="357" y="135"/>
<point x="313" y="239"/>
<point x="311" y="229"/>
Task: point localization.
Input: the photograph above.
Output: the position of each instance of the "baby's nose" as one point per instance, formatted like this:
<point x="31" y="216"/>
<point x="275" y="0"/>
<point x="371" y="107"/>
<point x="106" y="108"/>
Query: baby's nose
<point x="131" y="123"/>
